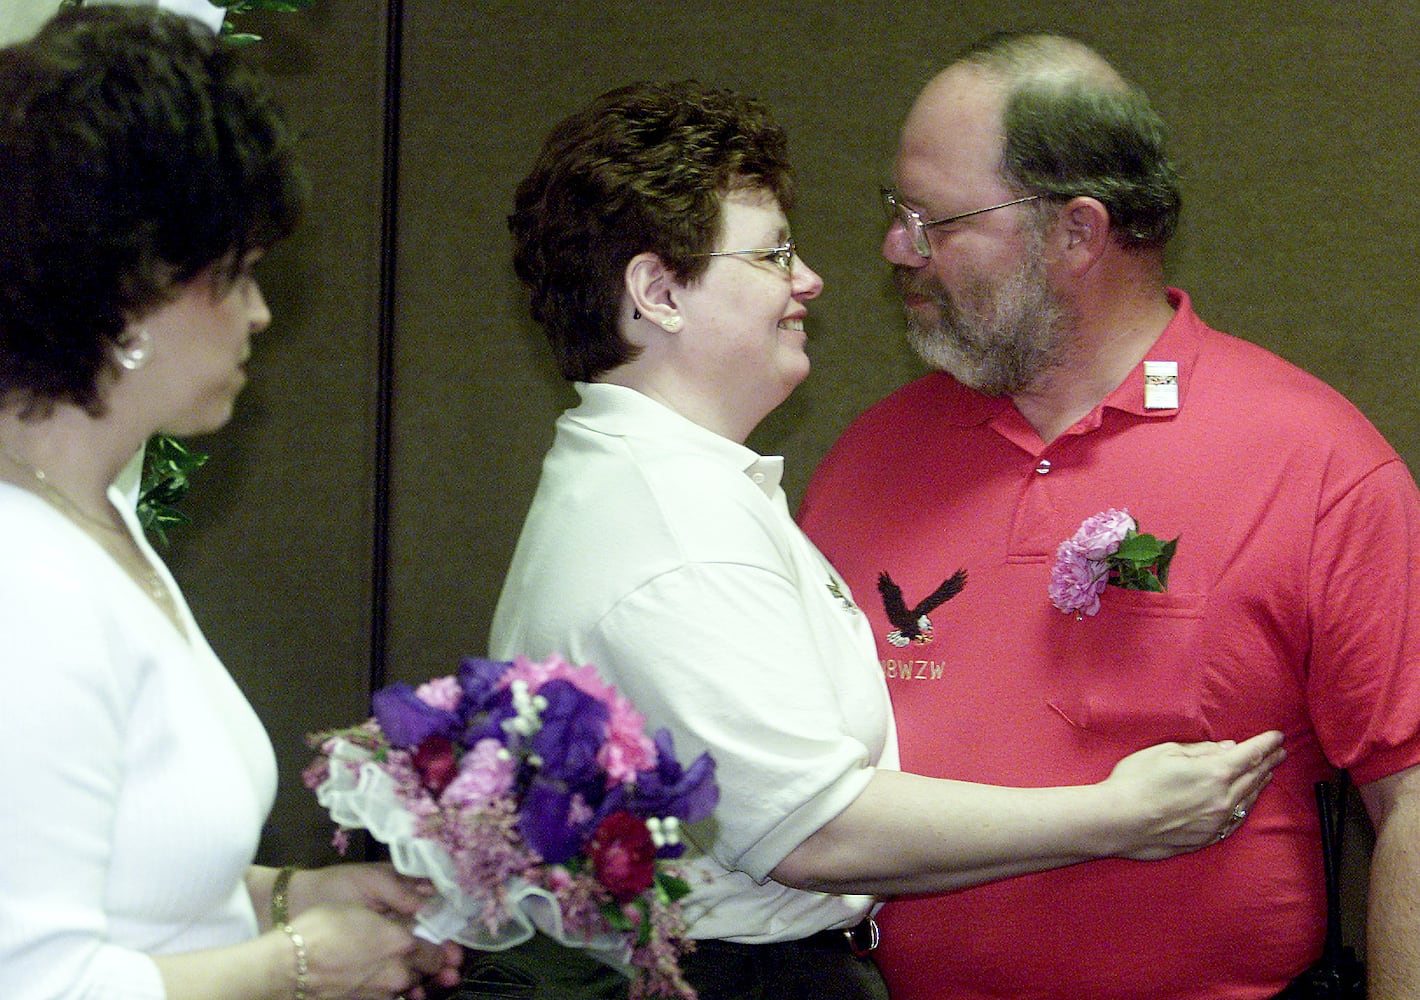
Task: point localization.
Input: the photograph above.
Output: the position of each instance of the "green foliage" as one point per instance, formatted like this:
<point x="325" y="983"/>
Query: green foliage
<point x="671" y="888"/>
<point x="246" y="6"/>
<point x="243" y="6"/>
<point x="167" y="464"/>
<point x="1142" y="563"/>
<point x="229" y="32"/>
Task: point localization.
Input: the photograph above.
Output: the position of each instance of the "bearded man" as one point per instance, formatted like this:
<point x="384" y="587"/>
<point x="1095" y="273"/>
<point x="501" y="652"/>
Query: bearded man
<point x="1033" y="199"/>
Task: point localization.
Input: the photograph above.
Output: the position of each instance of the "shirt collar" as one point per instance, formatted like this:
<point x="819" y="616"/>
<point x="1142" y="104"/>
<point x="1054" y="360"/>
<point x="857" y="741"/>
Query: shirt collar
<point x="625" y="412"/>
<point x="1179" y="342"/>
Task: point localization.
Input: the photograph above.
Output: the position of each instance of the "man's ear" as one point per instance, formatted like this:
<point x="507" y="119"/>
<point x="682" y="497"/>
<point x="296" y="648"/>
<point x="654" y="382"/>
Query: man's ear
<point x="1082" y="232"/>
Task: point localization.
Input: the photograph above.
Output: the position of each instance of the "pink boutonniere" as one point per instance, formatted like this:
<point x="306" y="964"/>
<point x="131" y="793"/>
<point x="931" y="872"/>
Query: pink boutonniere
<point x="1107" y="549"/>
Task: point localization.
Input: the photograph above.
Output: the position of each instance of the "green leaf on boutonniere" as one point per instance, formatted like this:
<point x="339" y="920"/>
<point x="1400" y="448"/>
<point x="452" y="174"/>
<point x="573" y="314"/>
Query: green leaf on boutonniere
<point x="1142" y="563"/>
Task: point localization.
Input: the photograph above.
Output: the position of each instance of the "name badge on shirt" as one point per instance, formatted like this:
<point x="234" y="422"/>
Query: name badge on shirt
<point x="1160" y="385"/>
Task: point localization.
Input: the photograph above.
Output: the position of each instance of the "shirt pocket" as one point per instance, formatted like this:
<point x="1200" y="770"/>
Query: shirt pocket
<point x="1133" y="672"/>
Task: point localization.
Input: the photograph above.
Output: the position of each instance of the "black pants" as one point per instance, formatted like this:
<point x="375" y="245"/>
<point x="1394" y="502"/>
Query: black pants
<point x="719" y="970"/>
<point x="792" y="970"/>
<point x="541" y="969"/>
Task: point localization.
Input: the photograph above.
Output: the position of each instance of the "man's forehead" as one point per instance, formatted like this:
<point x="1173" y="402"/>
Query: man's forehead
<point x="954" y="128"/>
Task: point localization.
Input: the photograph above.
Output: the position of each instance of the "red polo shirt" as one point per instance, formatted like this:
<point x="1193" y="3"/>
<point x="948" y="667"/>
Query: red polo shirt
<point x="1293" y="603"/>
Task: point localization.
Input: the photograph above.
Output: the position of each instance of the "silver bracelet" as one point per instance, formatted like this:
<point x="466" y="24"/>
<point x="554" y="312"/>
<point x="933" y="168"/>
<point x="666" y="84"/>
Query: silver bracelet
<point x="301" y="966"/>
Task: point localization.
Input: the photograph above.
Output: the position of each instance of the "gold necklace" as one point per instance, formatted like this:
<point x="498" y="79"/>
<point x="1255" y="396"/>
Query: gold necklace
<point x="125" y="552"/>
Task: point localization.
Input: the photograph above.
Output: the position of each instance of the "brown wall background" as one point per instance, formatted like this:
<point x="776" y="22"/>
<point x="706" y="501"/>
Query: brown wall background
<point x="357" y="516"/>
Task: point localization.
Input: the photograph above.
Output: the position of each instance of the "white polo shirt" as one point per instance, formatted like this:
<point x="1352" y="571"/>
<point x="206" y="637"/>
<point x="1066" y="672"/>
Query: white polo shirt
<point x="665" y="555"/>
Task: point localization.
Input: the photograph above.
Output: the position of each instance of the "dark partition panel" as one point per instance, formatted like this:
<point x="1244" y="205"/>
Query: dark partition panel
<point x="277" y="561"/>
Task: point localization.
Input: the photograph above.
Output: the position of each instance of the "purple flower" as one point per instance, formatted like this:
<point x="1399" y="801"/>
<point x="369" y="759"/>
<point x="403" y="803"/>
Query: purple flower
<point x="668" y="790"/>
<point x="542" y="771"/>
<point x="486" y="702"/>
<point x="1106" y="549"/>
<point x="1076" y="581"/>
<point x="486" y="722"/>
<point x="408" y="720"/>
<point x="574" y="726"/>
<point x="689" y="794"/>
<point x="1099" y="536"/>
<point x="481" y="681"/>
<point x="567" y="783"/>
<point x="553" y="821"/>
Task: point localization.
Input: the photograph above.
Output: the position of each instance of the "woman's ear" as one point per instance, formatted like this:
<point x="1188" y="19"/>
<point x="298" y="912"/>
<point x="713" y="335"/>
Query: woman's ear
<point x="651" y="292"/>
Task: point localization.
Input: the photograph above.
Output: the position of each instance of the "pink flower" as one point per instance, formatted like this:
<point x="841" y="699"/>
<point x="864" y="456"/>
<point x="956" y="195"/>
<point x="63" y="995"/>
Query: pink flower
<point x="587" y="680"/>
<point x="484" y="774"/>
<point x="1106" y="549"/>
<point x="539" y="672"/>
<point x="316" y="772"/>
<point x="441" y="692"/>
<point x="578" y="812"/>
<point x="535" y="672"/>
<point x="1076" y="581"/>
<point x="627" y="750"/>
<point x="1099" y="536"/>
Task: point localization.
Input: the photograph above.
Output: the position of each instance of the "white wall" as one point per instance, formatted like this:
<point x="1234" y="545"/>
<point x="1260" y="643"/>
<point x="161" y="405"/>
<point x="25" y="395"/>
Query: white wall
<point x="20" y="18"/>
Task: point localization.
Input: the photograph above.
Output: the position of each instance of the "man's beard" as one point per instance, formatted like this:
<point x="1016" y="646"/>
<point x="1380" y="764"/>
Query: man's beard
<point x="1018" y="332"/>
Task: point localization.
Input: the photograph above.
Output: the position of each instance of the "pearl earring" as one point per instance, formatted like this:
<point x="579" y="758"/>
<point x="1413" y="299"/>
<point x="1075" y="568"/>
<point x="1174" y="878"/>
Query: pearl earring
<point x="134" y="353"/>
<point x="672" y="323"/>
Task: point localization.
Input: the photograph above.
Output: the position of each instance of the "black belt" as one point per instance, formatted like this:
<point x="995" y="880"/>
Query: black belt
<point x="860" y="939"/>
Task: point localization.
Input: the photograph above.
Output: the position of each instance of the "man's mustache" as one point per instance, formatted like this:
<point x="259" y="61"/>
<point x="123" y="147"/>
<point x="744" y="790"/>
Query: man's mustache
<point x="912" y="281"/>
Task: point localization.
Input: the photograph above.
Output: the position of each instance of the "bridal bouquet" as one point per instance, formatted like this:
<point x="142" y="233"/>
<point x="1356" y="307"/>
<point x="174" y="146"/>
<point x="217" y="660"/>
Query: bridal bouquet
<point x="531" y="796"/>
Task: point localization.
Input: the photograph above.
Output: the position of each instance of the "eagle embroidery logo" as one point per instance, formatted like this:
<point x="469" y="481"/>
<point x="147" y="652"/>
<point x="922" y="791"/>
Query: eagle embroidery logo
<point x="913" y="625"/>
<point x="836" y="590"/>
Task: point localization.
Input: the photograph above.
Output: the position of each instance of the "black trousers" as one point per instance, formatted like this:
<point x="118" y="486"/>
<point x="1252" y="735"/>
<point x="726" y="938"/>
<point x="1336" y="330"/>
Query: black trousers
<point x="541" y="969"/>
<point x="790" y="970"/>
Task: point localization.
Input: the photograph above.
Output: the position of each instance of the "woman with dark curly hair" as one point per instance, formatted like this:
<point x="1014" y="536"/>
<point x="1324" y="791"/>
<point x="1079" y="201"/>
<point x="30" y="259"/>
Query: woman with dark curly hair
<point x="144" y="169"/>
<point x="652" y="235"/>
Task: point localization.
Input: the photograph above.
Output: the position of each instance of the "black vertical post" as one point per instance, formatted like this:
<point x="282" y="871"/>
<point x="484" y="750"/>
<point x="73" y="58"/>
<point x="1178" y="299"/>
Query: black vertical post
<point x="384" y="386"/>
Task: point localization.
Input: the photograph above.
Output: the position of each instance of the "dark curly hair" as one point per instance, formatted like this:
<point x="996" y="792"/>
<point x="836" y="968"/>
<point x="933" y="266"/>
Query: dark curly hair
<point x="1073" y="127"/>
<point x="642" y="168"/>
<point x="137" y="152"/>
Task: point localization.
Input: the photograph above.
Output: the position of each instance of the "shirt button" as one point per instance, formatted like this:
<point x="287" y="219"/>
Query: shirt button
<point x="757" y="478"/>
<point x="1043" y="467"/>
